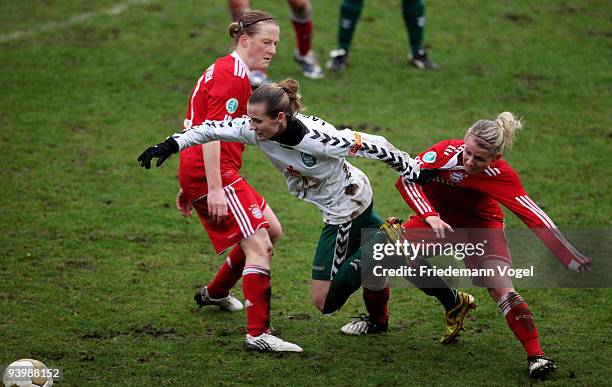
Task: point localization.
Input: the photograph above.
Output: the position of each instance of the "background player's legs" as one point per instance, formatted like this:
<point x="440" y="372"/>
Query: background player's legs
<point x="301" y="18"/>
<point x="238" y="8"/>
<point x="413" y="12"/>
<point x="350" y="11"/>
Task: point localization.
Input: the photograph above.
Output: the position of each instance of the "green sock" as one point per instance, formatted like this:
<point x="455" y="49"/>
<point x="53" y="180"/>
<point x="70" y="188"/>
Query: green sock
<point x="350" y="10"/>
<point x="414" y="19"/>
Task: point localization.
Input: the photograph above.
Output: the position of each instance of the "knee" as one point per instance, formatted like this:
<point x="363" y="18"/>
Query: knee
<point x="258" y="244"/>
<point x="318" y="299"/>
<point x="275" y="232"/>
<point x="319" y="304"/>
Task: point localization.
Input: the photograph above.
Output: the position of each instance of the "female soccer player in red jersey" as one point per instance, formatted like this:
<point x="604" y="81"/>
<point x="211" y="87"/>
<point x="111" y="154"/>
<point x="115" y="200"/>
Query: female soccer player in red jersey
<point x="471" y="180"/>
<point x="232" y="212"/>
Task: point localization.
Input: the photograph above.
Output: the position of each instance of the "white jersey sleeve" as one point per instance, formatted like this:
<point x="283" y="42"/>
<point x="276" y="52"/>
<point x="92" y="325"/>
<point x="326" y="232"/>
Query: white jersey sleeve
<point x="236" y="130"/>
<point x="327" y="141"/>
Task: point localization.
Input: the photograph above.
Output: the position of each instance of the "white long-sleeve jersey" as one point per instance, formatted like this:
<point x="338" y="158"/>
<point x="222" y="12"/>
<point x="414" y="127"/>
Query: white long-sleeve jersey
<point x="310" y="153"/>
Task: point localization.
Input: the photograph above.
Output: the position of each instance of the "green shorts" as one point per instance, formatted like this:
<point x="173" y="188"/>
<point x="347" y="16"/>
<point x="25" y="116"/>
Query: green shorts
<point x="340" y="241"/>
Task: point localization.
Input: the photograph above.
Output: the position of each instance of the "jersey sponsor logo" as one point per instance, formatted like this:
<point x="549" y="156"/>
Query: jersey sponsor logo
<point x="256" y="211"/>
<point x="456" y="177"/>
<point x="231" y="105"/>
<point x="306" y="182"/>
<point x="429" y="157"/>
<point x="308" y="160"/>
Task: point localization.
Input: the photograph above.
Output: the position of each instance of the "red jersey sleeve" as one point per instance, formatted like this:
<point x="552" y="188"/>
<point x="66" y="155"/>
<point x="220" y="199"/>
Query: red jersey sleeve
<point x="503" y="184"/>
<point x="412" y="193"/>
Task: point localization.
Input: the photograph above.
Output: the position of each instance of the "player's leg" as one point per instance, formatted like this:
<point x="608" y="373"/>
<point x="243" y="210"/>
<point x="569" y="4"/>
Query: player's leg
<point x="413" y="12"/>
<point x="258" y="293"/>
<point x="238" y="8"/>
<point x="231" y="270"/>
<point x="350" y="11"/>
<point x="520" y="320"/>
<point x="456" y="304"/>
<point x="301" y="18"/>
<point x="336" y="270"/>
<point x="510" y="303"/>
<point x="347" y="277"/>
<point x="217" y="291"/>
<point x="331" y="251"/>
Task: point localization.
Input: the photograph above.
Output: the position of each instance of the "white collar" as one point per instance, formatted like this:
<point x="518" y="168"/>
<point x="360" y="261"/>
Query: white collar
<point x="237" y="56"/>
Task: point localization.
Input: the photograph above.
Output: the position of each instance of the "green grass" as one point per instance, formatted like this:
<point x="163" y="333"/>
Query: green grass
<point x="98" y="269"/>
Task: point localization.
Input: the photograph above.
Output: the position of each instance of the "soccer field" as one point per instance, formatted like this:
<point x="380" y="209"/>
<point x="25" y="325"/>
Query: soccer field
<point x="98" y="268"/>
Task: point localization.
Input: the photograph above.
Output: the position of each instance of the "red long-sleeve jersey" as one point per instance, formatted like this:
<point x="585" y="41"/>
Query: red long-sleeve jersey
<point x="472" y="201"/>
<point x="221" y="93"/>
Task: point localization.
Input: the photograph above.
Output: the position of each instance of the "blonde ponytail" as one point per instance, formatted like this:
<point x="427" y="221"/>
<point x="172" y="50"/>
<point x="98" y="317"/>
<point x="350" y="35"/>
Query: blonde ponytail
<point x="497" y="136"/>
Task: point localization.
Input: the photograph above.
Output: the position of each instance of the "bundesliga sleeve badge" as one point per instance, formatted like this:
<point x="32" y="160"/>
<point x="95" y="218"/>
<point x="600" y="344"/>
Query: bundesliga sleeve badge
<point x="429" y="157"/>
<point x="231" y="105"/>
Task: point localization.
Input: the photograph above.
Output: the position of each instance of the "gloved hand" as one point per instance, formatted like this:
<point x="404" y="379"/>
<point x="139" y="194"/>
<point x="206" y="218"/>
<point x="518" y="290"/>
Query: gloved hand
<point x="162" y="151"/>
<point x="426" y="176"/>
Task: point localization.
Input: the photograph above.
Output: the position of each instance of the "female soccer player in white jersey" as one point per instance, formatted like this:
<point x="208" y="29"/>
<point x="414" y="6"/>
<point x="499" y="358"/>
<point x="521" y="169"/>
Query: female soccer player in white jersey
<point x="311" y="155"/>
<point x="471" y="180"/>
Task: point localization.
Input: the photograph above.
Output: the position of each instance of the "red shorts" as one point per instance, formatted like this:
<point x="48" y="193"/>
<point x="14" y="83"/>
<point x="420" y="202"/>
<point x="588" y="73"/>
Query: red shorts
<point x="490" y="236"/>
<point x="245" y="215"/>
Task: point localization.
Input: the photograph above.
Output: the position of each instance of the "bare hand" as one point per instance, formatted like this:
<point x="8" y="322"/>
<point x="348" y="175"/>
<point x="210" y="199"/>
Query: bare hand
<point x="217" y="205"/>
<point x="183" y="205"/>
<point x="438" y="225"/>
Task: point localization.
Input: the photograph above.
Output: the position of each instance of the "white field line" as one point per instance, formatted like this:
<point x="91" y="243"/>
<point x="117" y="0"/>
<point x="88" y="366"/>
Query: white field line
<point x="78" y="19"/>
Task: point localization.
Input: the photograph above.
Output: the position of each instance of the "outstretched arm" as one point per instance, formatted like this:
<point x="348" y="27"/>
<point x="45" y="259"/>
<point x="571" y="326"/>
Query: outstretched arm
<point x="343" y="143"/>
<point x="236" y="130"/>
<point x="512" y="195"/>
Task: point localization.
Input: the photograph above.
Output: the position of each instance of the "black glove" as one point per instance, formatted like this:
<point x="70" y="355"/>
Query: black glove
<point x="162" y="151"/>
<point x="426" y="176"/>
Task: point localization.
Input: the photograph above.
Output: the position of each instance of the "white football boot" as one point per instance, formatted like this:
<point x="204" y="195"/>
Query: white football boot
<point x="267" y="342"/>
<point x="228" y="303"/>
<point x="363" y="326"/>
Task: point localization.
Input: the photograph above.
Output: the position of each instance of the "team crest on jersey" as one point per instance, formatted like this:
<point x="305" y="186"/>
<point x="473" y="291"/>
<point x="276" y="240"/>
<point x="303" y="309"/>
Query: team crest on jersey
<point x="308" y="160"/>
<point x="456" y="177"/>
<point x="429" y="157"/>
<point x="255" y="211"/>
<point x="231" y="105"/>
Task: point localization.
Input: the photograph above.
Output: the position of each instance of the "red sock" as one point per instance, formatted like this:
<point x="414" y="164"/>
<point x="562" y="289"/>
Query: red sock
<point x="520" y="320"/>
<point x="257" y="294"/>
<point x="303" y="35"/>
<point x="228" y="274"/>
<point x="376" y="303"/>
